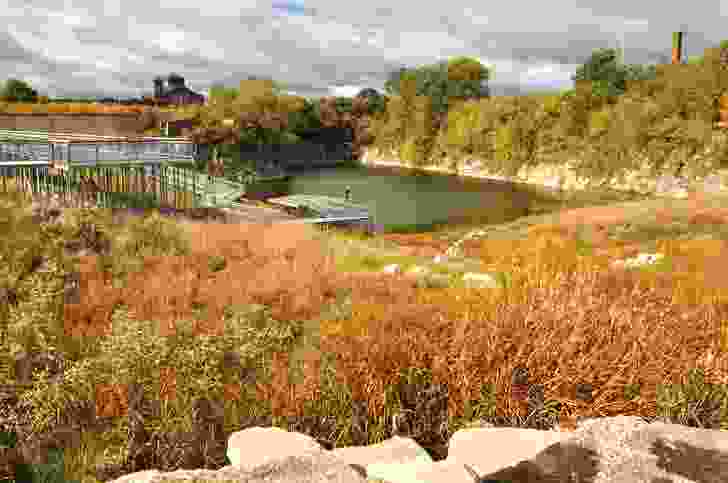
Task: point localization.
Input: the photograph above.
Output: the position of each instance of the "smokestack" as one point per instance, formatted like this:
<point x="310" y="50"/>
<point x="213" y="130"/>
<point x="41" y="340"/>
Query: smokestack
<point x="677" y="44"/>
<point x="158" y="87"/>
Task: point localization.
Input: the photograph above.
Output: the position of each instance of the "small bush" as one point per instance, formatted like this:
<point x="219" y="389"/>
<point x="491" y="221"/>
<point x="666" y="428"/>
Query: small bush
<point x="217" y="263"/>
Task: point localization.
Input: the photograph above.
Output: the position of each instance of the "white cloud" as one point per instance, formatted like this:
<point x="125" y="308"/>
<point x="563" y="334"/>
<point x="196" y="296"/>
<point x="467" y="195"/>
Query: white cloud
<point x="135" y="58"/>
<point x="23" y="68"/>
<point x="85" y="73"/>
<point x="548" y="75"/>
<point x="481" y="20"/>
<point x="331" y="44"/>
<point x="171" y="40"/>
<point x="38" y="82"/>
<point x="346" y="91"/>
<point x="105" y="65"/>
<point x="68" y="17"/>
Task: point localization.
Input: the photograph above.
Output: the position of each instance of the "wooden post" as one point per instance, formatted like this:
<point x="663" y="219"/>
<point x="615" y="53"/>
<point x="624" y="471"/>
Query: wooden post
<point x="677" y="40"/>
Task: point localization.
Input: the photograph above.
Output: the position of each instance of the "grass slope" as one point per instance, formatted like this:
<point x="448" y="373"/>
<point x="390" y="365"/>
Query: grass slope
<point x="297" y="326"/>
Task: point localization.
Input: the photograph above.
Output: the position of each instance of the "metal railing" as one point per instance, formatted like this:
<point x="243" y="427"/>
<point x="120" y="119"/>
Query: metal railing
<point x="18" y="145"/>
<point x="122" y="186"/>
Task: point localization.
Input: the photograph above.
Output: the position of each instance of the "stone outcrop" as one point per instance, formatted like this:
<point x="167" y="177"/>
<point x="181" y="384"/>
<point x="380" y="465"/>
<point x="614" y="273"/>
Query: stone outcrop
<point x="563" y="177"/>
<point x="491" y="280"/>
<point x="619" y="449"/>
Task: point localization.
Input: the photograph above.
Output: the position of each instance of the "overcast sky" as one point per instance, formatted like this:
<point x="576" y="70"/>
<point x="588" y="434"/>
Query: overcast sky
<point x="115" y="48"/>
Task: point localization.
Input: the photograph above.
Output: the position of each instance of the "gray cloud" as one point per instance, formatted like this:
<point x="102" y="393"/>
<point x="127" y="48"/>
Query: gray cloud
<point x="326" y="47"/>
<point x="90" y="35"/>
<point x="12" y="50"/>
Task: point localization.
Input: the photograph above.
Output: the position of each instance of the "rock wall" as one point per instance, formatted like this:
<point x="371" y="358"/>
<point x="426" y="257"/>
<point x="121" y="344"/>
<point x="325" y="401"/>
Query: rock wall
<point x="563" y="178"/>
<point x="598" y="450"/>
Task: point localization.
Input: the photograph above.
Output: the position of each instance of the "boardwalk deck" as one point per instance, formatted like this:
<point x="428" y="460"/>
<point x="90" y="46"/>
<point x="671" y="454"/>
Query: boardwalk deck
<point x="329" y="209"/>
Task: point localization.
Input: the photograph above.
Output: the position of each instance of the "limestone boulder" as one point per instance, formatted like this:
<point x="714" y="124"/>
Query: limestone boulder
<point x="479" y="280"/>
<point x="600" y="450"/>
<point x="392" y="269"/>
<point x="638" y="261"/>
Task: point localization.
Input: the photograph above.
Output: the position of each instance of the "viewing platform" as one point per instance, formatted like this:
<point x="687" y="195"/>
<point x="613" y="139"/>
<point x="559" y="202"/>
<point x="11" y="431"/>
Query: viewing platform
<point x="327" y="209"/>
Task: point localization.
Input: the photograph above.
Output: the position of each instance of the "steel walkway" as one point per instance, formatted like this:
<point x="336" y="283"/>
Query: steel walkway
<point x="217" y="192"/>
<point x="77" y="150"/>
<point x="44" y="149"/>
<point x="330" y="210"/>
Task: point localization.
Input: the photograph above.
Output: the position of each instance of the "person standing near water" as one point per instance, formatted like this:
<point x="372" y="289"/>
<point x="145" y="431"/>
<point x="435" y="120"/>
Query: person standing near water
<point x="347" y="193"/>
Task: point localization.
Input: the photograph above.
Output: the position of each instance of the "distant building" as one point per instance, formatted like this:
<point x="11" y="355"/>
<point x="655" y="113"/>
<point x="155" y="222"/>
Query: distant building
<point x="176" y="93"/>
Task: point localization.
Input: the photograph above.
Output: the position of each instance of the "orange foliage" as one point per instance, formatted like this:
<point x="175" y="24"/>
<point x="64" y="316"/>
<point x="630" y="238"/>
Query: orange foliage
<point x="577" y="329"/>
<point x="56" y="108"/>
<point x="21" y="108"/>
<point x="70" y="108"/>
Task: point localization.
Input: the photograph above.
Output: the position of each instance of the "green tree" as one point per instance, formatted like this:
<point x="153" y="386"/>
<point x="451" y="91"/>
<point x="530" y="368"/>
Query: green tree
<point x="219" y="92"/>
<point x="445" y="82"/>
<point x="262" y="110"/>
<point x="15" y="90"/>
<point x="306" y="119"/>
<point x="467" y="69"/>
<point x="344" y="104"/>
<point x="375" y="100"/>
<point x="608" y="76"/>
<point x="276" y="87"/>
<point x="391" y="85"/>
<point x="700" y="60"/>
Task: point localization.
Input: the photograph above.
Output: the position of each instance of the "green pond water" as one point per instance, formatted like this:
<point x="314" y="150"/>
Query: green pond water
<point x="404" y="200"/>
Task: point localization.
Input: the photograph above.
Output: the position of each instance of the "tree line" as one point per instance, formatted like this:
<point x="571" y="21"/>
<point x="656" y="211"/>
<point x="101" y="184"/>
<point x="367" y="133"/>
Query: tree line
<point x="445" y="83"/>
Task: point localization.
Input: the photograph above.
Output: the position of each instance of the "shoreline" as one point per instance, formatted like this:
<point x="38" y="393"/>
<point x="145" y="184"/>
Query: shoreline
<point x="682" y="187"/>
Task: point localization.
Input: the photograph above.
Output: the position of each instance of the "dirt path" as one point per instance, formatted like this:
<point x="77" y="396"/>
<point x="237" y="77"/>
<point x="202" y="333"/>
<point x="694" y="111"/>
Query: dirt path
<point x="633" y="226"/>
<point x="619" y="229"/>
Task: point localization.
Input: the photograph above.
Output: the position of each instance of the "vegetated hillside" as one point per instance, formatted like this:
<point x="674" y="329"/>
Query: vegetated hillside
<point x="669" y="121"/>
<point x="264" y="320"/>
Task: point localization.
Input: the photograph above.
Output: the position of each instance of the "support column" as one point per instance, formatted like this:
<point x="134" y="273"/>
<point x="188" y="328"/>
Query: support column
<point x="677" y="41"/>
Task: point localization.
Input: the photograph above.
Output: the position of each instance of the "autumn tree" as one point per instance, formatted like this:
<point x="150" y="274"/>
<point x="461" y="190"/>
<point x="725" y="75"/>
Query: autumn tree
<point x="445" y="83"/>
<point x="218" y="92"/>
<point x="456" y="78"/>
<point x="608" y="75"/>
<point x="15" y="90"/>
<point x="375" y="100"/>
<point x="259" y="114"/>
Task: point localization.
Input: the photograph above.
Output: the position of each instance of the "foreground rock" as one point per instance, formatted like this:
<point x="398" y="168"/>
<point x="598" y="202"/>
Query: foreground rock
<point x="620" y="449"/>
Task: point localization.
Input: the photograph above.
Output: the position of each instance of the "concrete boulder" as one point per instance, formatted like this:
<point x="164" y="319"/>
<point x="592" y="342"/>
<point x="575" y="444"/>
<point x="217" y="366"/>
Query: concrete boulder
<point x="619" y="449"/>
<point x="479" y="280"/>
<point x="638" y="261"/>
<point x="392" y="269"/>
<point x="417" y="270"/>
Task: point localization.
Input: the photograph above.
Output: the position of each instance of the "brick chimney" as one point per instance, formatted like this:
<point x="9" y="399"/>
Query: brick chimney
<point x="158" y="87"/>
<point x="677" y="44"/>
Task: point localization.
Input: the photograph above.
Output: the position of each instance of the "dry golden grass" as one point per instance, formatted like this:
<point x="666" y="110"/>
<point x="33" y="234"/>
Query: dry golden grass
<point x="567" y="316"/>
<point x="418" y="244"/>
<point x="277" y="265"/>
<point x="568" y="319"/>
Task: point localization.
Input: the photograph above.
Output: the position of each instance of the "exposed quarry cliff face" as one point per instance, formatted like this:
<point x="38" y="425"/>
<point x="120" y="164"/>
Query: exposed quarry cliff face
<point x="666" y="181"/>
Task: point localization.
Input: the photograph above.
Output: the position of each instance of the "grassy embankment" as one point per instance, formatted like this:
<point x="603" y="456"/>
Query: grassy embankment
<point x="165" y="303"/>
